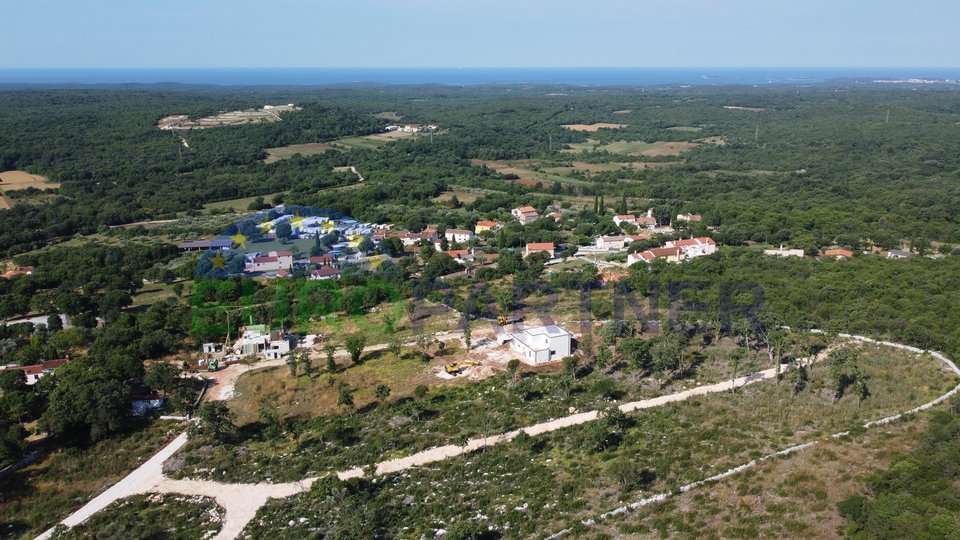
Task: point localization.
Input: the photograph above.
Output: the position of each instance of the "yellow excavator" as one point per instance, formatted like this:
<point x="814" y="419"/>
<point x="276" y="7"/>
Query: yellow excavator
<point x="455" y="368"/>
<point x="501" y="320"/>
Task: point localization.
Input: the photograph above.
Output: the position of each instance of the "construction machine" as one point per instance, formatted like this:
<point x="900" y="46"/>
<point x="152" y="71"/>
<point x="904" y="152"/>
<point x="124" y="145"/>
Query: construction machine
<point x="455" y="368"/>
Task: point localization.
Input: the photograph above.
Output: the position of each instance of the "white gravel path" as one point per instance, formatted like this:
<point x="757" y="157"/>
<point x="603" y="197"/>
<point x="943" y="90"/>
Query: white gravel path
<point x="241" y="501"/>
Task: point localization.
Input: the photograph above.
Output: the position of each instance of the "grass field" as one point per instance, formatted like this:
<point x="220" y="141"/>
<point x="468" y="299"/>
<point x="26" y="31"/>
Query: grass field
<point x="287" y="152"/>
<point x="237" y="204"/>
<point x="532" y="487"/>
<point x="632" y="148"/>
<point x="17" y="180"/>
<point x="463" y="196"/>
<point x="593" y="127"/>
<point x="41" y="494"/>
<point x="369" y="142"/>
<point x="389" y="115"/>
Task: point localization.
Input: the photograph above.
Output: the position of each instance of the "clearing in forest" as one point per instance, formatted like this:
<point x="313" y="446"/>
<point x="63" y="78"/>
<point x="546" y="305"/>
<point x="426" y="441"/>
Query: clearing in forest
<point x="370" y="142"/>
<point x="389" y="115"/>
<point x="14" y="180"/>
<point x="633" y="148"/>
<point x="593" y="127"/>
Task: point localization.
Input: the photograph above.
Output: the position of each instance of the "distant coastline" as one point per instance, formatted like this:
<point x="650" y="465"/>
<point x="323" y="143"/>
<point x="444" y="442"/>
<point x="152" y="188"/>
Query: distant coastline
<point x="469" y="76"/>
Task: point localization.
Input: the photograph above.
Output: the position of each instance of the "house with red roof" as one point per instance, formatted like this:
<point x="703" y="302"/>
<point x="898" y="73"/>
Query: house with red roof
<point x="540" y="247"/>
<point x="271" y="262"/>
<point x="36" y="372"/>
<point x="325" y="272"/>
<point x="838" y="253"/>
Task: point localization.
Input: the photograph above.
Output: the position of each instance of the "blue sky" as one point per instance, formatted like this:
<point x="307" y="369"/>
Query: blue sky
<point x="483" y="33"/>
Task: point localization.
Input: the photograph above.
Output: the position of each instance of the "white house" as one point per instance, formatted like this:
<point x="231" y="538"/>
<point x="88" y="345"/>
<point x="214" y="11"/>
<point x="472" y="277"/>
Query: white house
<point x="35" y="372"/>
<point x="525" y="214"/>
<point x="694" y="247"/>
<point x="784" y="252"/>
<point x="613" y="243"/>
<point x="325" y="272"/>
<point x="273" y="261"/>
<point x="673" y="255"/>
<point x="542" y="344"/>
<point x="689" y="217"/>
<point x="258" y="339"/>
<point x="458" y="235"/>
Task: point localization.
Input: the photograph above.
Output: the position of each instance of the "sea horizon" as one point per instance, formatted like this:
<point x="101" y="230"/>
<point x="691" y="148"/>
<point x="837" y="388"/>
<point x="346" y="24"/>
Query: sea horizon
<point x="573" y="76"/>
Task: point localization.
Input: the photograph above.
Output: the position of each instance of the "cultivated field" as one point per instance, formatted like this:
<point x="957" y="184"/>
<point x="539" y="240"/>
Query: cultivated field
<point x="593" y="127"/>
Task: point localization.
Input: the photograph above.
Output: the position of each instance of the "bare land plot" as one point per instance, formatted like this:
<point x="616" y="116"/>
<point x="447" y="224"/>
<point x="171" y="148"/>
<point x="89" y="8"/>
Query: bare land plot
<point x="633" y="148"/>
<point x="16" y="180"/>
<point x="593" y="127"/>
<point x="389" y="115"/>
<point x="623" y="111"/>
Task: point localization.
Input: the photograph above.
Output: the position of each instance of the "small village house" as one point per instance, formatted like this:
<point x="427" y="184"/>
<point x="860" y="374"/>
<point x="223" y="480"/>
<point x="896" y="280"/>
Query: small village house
<point x="541" y="345"/>
<point x="525" y="214"/>
<point x="486" y="226"/>
<point x="461" y="236"/>
<point x="538" y="247"/>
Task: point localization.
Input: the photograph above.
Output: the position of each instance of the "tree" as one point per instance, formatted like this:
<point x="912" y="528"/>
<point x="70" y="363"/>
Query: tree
<point x="272" y="428"/>
<point x="354" y="343"/>
<point x="88" y="403"/>
<point x="345" y="397"/>
<point x="292" y="362"/>
<point x="329" y="350"/>
<point x="366" y="245"/>
<point x="162" y="376"/>
<point x="467" y="332"/>
<point x="382" y="392"/>
<point x="54" y="323"/>
<point x="306" y="363"/>
<point x="420" y="392"/>
<point x="215" y="422"/>
<point x="395" y="346"/>
<point x="737" y="356"/>
<point x="411" y="308"/>
<point x="513" y="368"/>
<point x="284" y="230"/>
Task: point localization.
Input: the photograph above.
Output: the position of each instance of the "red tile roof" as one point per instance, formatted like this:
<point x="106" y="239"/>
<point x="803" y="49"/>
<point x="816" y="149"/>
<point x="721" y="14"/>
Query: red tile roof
<point x="540" y="246"/>
<point x="838" y="253"/>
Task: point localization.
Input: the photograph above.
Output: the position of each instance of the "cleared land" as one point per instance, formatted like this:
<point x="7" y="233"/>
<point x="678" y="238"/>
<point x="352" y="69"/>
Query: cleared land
<point x="16" y="180"/>
<point x="237" y="204"/>
<point x="623" y="111"/>
<point x="228" y="118"/>
<point x="286" y="152"/>
<point x="633" y="148"/>
<point x="389" y="115"/>
<point x="369" y="142"/>
<point x="593" y="127"/>
<point x="684" y="128"/>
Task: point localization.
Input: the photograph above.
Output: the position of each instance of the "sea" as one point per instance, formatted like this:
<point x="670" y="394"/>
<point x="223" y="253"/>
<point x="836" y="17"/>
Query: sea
<point x="604" y="76"/>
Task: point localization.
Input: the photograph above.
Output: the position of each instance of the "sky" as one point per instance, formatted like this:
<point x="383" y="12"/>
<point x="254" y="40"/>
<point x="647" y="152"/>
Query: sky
<point x="478" y="33"/>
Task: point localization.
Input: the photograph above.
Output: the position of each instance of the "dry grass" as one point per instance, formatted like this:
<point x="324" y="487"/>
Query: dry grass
<point x="593" y="127"/>
<point x="633" y="148"/>
<point x="792" y="497"/>
<point x="684" y="128"/>
<point x="286" y="152"/>
<point x="389" y="115"/>
<point x="465" y="197"/>
<point x="623" y="111"/>
<point x="17" y="180"/>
